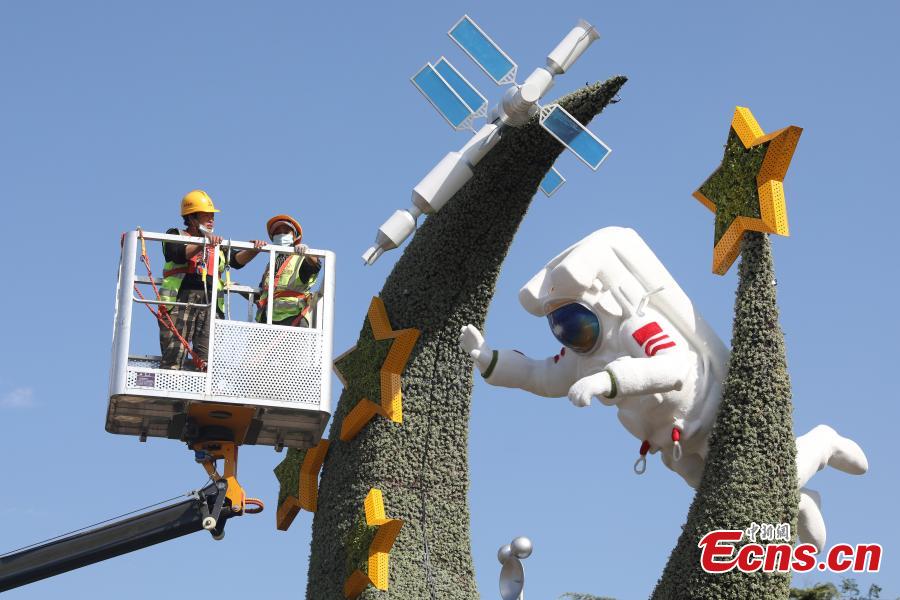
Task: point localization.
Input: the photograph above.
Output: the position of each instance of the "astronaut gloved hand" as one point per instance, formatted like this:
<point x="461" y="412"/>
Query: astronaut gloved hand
<point x="471" y="340"/>
<point x="599" y="384"/>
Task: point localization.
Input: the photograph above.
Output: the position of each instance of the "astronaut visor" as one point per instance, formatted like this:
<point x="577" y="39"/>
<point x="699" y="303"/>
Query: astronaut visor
<point x="575" y="326"/>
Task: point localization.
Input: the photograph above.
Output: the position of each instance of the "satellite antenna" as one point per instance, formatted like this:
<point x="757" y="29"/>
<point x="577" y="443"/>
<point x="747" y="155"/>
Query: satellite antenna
<point x="460" y="104"/>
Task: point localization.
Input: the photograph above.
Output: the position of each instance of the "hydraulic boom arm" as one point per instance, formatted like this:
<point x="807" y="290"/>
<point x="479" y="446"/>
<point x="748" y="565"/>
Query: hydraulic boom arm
<point x="206" y="509"/>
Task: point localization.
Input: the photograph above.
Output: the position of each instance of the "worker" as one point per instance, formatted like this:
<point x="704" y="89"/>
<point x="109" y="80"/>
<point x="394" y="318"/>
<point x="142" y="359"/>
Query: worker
<point x="183" y="274"/>
<point x="295" y="274"/>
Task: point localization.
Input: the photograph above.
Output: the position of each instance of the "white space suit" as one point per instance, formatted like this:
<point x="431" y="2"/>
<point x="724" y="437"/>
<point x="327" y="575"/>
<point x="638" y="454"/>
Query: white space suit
<point x="632" y="338"/>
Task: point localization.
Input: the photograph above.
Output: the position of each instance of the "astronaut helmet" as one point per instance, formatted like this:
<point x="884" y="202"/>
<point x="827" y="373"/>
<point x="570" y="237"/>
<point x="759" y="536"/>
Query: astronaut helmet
<point x="576" y="326"/>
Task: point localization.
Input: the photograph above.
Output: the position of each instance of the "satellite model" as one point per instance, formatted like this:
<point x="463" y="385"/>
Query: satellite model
<point x="461" y="104"/>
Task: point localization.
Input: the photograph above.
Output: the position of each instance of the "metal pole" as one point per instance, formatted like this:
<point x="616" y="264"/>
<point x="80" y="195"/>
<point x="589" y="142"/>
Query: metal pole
<point x="213" y="314"/>
<point x="122" y="320"/>
<point x="166" y="302"/>
<point x="226" y="289"/>
<point x="326" y="329"/>
<point x="270" y="299"/>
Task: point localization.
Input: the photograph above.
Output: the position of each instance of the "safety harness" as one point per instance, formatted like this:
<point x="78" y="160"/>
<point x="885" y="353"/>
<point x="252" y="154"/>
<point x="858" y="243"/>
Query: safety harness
<point x="173" y="274"/>
<point x="162" y="315"/>
<point x="287" y="286"/>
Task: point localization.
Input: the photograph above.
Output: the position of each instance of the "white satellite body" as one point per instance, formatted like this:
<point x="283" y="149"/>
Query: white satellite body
<point x="460" y="104"/>
<point x="632" y="338"/>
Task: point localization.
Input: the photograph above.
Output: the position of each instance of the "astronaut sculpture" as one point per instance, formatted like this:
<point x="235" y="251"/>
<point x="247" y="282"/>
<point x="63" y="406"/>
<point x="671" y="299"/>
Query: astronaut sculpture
<point x="632" y="338"/>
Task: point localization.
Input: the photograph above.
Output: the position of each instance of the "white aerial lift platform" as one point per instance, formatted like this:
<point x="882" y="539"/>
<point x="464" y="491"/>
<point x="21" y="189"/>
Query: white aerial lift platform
<point x="262" y="384"/>
<point x="266" y="384"/>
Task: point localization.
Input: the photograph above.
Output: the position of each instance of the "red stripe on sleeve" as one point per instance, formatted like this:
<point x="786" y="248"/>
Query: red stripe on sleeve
<point x="646" y="332"/>
<point x="655" y="341"/>
<point x="659" y="347"/>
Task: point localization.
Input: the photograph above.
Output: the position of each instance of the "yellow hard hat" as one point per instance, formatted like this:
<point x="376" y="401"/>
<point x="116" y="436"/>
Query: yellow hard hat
<point x="197" y="201"/>
<point x="290" y="221"/>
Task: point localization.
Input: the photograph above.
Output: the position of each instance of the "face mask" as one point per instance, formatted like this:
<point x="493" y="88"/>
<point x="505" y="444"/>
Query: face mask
<point x="282" y="239"/>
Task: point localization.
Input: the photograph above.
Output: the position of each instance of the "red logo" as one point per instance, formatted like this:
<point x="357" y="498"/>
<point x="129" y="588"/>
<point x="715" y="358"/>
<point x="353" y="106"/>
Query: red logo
<point x="718" y="554"/>
<point x="651" y="338"/>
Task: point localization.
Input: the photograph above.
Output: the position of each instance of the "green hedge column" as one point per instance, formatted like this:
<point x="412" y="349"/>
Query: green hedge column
<point x="444" y="279"/>
<point x="751" y="474"/>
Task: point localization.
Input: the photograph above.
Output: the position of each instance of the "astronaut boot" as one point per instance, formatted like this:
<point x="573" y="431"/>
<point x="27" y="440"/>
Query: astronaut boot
<point x="823" y="446"/>
<point x="810" y="524"/>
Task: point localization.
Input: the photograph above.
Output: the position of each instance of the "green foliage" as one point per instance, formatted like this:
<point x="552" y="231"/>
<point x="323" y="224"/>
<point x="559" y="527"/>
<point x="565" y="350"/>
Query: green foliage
<point x="732" y="187"/>
<point x="820" y="591"/>
<point x="444" y="279"/>
<point x="359" y="539"/>
<point x="361" y="368"/>
<point x="580" y="596"/>
<point x="288" y="474"/>
<point x="850" y="591"/>
<point x="365" y="382"/>
<point x="750" y="471"/>
<point x="827" y="591"/>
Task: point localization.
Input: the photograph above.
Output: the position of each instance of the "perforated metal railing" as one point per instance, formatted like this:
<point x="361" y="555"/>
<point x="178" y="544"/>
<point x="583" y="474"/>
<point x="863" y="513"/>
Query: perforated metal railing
<point x="249" y="363"/>
<point x="247" y="355"/>
<point x="143" y="379"/>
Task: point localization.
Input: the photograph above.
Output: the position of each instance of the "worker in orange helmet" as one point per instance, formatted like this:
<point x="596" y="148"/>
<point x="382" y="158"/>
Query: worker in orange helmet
<point x="183" y="281"/>
<point x="295" y="274"/>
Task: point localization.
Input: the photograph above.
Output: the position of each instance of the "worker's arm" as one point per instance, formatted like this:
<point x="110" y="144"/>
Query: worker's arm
<point x="174" y="252"/>
<point x="242" y="257"/>
<point x="211" y="240"/>
<point x="180" y="253"/>
<point x="313" y="262"/>
<point x="309" y="268"/>
<point x="191" y="250"/>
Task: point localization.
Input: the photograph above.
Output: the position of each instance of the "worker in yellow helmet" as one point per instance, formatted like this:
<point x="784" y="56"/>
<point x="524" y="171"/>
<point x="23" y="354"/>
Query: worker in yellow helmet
<point x="187" y="265"/>
<point x="295" y="274"/>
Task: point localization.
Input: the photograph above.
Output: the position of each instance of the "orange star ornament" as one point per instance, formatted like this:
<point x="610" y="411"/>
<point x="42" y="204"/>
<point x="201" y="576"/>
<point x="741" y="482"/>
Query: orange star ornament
<point x="746" y="192"/>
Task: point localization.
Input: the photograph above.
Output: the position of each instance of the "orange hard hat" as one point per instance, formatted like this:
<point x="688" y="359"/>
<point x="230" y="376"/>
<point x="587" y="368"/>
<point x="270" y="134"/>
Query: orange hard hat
<point x="290" y="221"/>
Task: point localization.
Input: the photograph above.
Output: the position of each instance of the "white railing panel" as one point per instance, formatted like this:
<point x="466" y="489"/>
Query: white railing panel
<point x="268" y="362"/>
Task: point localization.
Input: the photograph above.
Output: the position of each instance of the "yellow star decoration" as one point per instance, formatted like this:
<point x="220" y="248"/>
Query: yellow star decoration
<point x="391" y="406"/>
<point x="307" y="497"/>
<point x="379" y="550"/>
<point x="746" y="192"/>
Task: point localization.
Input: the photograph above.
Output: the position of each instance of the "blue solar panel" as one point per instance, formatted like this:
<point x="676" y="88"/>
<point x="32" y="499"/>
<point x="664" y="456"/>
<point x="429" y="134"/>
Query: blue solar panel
<point x="565" y="128"/>
<point x="483" y="51"/>
<point x="442" y="97"/>
<point x="472" y="97"/>
<point x="551" y="182"/>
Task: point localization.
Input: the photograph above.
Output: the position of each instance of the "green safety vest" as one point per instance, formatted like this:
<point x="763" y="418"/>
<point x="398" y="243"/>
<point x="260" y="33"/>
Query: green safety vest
<point x="291" y="293"/>
<point x="173" y="275"/>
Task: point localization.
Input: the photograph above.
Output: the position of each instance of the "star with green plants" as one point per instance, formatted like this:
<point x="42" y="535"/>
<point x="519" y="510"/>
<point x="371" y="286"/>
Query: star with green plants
<point x="746" y="192"/>
<point x="373" y="369"/>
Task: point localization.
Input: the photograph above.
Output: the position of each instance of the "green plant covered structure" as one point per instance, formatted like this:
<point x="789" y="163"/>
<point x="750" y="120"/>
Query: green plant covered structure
<point x="439" y="284"/>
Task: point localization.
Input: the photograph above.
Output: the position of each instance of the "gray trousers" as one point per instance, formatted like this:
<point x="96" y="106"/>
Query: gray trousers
<point x="192" y="322"/>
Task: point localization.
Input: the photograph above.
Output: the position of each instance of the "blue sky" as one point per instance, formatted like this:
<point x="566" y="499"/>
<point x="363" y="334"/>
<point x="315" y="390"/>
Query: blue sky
<point x="110" y="112"/>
